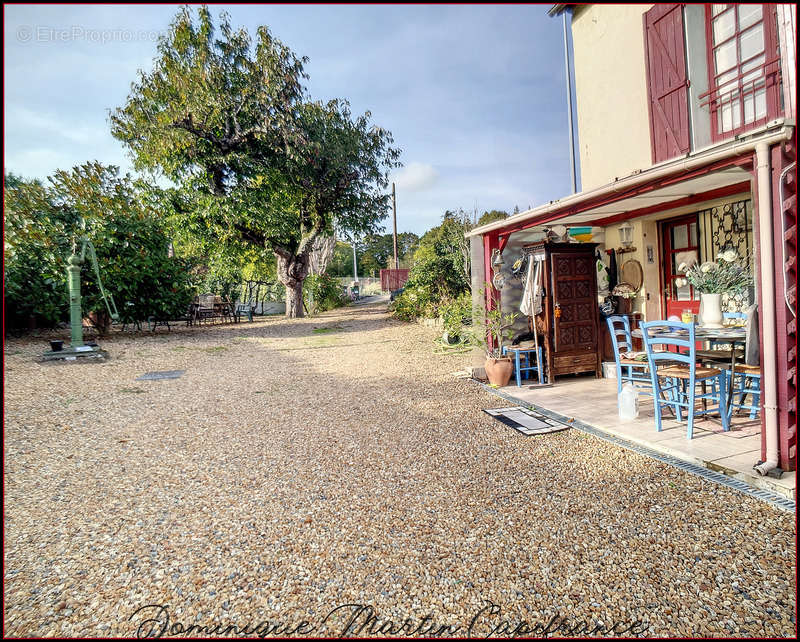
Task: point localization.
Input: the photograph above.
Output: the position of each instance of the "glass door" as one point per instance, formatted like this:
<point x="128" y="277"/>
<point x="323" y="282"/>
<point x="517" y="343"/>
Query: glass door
<point x="679" y="245"/>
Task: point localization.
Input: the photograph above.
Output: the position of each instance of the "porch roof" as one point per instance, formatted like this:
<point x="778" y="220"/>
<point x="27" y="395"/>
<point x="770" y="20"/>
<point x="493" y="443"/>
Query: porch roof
<point x="719" y="171"/>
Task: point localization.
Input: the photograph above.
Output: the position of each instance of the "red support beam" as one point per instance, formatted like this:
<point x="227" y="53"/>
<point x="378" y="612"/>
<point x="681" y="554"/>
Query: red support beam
<point x="491" y="242"/>
<point x="784" y="216"/>
<point x="784" y="220"/>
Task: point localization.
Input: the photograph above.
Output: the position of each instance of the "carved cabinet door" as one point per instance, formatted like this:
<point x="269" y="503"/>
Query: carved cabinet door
<point x="574" y="295"/>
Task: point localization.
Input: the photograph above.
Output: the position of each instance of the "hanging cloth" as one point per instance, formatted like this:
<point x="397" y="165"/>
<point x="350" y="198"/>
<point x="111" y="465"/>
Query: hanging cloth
<point x="538" y="290"/>
<point x="612" y="270"/>
<point x="752" y="356"/>
<point x="531" y="303"/>
<point x="602" y="276"/>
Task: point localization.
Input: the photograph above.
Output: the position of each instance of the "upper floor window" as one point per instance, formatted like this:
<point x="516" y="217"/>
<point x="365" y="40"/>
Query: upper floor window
<point x="743" y="64"/>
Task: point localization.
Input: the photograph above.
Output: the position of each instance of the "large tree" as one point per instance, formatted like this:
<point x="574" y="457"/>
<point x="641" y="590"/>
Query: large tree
<point x="257" y="162"/>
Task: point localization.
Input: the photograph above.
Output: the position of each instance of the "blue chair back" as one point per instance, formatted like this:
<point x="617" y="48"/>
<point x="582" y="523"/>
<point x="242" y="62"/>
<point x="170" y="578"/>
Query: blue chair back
<point x="620" y="336"/>
<point x="714" y="343"/>
<point x="685" y="344"/>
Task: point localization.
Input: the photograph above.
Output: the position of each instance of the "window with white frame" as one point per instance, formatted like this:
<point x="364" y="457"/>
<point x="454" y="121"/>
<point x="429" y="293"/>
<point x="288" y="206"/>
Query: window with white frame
<point x="743" y="66"/>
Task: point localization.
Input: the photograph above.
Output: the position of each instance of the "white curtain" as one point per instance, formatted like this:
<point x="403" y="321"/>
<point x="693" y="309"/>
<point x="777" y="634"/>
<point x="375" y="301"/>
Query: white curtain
<point x="531" y="304"/>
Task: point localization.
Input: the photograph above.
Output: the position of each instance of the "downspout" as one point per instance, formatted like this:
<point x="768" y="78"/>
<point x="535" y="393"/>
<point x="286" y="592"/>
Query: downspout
<point x="769" y="387"/>
<point x="568" y="12"/>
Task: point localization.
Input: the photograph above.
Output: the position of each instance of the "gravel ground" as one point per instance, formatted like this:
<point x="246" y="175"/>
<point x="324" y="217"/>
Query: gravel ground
<point x="297" y="467"/>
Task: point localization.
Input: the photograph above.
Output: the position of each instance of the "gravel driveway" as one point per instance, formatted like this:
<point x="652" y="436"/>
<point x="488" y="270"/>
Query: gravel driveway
<point x="299" y="468"/>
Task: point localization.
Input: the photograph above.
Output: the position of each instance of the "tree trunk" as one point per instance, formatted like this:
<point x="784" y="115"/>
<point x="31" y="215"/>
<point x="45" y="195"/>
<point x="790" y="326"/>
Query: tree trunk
<point x="321" y="252"/>
<point x="292" y="271"/>
<point x="294" y="300"/>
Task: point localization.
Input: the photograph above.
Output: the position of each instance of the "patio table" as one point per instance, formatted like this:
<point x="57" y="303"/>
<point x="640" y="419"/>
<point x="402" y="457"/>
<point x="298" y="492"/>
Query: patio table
<point x="732" y="335"/>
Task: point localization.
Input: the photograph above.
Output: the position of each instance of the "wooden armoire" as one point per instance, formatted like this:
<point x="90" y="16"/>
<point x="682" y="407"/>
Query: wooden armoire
<point x="569" y="307"/>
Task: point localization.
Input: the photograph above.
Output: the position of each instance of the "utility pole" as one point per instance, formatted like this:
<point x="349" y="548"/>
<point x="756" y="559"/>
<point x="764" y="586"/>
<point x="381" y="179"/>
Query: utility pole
<point x="355" y="267"/>
<point x="568" y="12"/>
<point x="394" y="216"/>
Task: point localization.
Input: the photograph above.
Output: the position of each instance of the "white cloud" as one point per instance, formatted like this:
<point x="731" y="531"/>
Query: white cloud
<point x="49" y="125"/>
<point x="416" y="177"/>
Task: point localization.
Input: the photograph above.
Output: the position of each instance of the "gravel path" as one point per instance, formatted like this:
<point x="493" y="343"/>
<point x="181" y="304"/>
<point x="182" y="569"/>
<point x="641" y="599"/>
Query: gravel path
<point x="290" y="471"/>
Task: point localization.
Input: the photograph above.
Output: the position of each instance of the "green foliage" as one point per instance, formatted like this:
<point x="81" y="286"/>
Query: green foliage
<point x="43" y="222"/>
<point x="492" y="216"/>
<point x="35" y="255"/>
<point x="456" y="313"/>
<point x="412" y="304"/>
<point x="497" y="327"/>
<point x="441" y="269"/>
<point x="376" y="252"/>
<point x="323" y="292"/>
<point x="341" y="263"/>
<point x="258" y="165"/>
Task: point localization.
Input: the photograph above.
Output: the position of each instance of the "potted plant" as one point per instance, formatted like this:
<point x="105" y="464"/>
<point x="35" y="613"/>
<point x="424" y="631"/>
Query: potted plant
<point x="499" y="367"/>
<point x="726" y="275"/>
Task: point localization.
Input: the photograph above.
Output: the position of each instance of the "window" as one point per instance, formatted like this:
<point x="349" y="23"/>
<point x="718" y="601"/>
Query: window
<point x="743" y="64"/>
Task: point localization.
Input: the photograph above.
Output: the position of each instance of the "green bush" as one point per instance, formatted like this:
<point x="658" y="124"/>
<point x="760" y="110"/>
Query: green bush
<point x="132" y="247"/>
<point x="412" y="304"/>
<point x="322" y="292"/>
<point x="440" y="274"/>
<point x="455" y="314"/>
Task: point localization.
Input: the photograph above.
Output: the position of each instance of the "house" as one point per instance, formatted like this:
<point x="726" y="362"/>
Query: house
<point x="686" y="129"/>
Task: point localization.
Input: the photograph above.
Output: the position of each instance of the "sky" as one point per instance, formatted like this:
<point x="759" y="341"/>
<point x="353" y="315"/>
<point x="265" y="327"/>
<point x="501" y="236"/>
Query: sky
<point x="474" y="95"/>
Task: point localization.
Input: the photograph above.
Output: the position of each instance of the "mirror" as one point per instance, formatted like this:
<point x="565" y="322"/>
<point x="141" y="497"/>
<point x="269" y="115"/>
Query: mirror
<point x="631" y="272"/>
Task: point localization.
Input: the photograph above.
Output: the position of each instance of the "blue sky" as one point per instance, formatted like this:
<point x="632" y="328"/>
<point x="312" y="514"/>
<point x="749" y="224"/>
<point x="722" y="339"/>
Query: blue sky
<point x="474" y="95"/>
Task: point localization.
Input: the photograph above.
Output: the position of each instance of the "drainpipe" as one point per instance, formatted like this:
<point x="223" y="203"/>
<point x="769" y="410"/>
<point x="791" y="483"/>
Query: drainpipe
<point x="568" y="12"/>
<point x="768" y="322"/>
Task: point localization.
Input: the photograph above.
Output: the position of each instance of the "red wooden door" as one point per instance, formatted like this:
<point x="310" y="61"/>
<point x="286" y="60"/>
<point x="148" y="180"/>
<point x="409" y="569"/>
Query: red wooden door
<point x="679" y="239"/>
<point x="667" y="83"/>
<point x="576" y="298"/>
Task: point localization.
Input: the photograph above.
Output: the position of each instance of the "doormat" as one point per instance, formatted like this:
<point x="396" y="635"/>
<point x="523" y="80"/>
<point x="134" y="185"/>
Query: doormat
<point x="164" y="374"/>
<point x="525" y="421"/>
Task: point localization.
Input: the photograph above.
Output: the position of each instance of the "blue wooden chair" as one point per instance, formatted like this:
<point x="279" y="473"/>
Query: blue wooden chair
<point x="675" y="385"/>
<point x="715" y="353"/>
<point x="619" y="327"/>
<point x="523" y="364"/>
<point x="746" y="381"/>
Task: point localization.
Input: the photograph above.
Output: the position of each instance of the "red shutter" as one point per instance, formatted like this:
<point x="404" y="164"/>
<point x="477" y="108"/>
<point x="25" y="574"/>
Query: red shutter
<point x="667" y="85"/>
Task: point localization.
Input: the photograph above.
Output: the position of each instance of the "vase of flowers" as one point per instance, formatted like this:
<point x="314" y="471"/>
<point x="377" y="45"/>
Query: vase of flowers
<point x="727" y="275"/>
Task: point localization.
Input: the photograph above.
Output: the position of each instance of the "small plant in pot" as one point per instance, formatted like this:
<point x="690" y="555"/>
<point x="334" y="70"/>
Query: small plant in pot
<point x="499" y="367"/>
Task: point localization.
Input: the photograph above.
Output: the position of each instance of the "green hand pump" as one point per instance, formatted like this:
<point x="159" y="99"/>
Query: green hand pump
<point x="74" y="263"/>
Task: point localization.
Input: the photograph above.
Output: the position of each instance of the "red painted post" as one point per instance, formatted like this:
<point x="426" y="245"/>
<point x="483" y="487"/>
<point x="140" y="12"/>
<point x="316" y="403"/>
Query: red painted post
<point x="784" y="221"/>
<point x="492" y="295"/>
<point x="784" y="217"/>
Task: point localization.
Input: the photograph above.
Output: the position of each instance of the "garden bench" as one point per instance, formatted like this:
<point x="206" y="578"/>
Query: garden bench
<point x="243" y="308"/>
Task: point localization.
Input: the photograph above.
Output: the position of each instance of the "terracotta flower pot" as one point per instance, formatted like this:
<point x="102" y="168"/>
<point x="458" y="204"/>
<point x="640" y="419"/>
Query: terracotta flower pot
<point x="499" y="371"/>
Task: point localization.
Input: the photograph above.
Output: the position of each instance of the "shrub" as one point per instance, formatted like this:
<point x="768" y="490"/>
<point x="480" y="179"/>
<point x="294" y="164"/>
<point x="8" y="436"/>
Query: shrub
<point x="132" y="247"/>
<point x="440" y="273"/>
<point x="322" y="292"/>
<point x="455" y="314"/>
